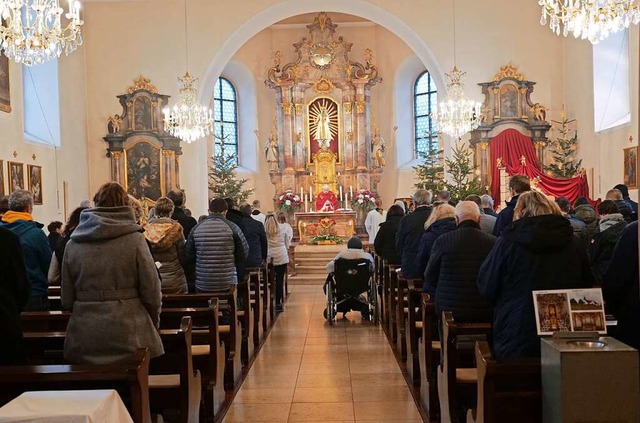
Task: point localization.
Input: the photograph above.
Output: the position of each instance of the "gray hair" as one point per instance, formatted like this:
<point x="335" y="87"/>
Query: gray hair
<point x="486" y="201"/>
<point x="422" y="197"/>
<point x="467" y="210"/>
<point x="20" y="200"/>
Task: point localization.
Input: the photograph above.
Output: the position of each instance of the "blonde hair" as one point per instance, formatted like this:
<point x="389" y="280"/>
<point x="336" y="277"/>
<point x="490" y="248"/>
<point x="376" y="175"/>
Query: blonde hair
<point x="271" y="226"/>
<point x="442" y="211"/>
<point x="533" y="203"/>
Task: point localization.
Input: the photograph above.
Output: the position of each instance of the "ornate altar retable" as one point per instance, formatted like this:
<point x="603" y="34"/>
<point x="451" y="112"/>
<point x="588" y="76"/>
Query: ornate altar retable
<point x="340" y="224"/>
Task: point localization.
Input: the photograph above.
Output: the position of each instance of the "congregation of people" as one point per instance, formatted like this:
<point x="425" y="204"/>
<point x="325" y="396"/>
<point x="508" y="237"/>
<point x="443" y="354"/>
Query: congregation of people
<point x="114" y="265"/>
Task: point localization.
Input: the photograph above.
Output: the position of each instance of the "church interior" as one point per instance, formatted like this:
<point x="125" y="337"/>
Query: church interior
<point x="327" y="112"/>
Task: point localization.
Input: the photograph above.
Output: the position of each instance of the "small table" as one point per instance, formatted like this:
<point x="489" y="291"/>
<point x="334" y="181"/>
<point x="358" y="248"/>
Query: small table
<point x="66" y="407"/>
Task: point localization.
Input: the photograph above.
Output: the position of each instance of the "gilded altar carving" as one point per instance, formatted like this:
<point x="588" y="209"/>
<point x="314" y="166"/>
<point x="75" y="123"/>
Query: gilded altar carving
<point x="325" y="170"/>
<point x="360" y="106"/>
<point x="508" y="71"/>
<point x="347" y="108"/>
<point x="323" y="86"/>
<point x="299" y="108"/>
<point x="142" y="83"/>
<point x="286" y="108"/>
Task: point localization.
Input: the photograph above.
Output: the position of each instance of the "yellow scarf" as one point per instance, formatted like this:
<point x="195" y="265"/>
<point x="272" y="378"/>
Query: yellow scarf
<point x="11" y="216"/>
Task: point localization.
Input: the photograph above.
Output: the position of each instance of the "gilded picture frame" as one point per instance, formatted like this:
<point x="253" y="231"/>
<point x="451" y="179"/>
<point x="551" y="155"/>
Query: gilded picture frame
<point x="16" y="176"/>
<point x="34" y="174"/>
<point x="335" y="122"/>
<point x="144" y="170"/>
<point x="630" y="167"/>
<point x="3" y="190"/>
<point x="5" y="86"/>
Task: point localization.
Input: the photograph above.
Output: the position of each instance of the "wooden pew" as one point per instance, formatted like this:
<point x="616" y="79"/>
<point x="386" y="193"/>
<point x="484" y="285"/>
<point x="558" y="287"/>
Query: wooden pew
<point x="173" y="383"/>
<point x="44" y="321"/>
<point x="230" y="334"/>
<point x="457" y="376"/>
<point x="130" y="379"/>
<point x="379" y="279"/>
<point x="245" y="316"/>
<point x="44" y="347"/>
<point x="413" y="333"/>
<point x="402" y="310"/>
<point x="265" y="291"/>
<point x="429" y="357"/>
<point x="508" y="391"/>
<point x="256" y="302"/>
<point x="271" y="279"/>
<point x="207" y="351"/>
<point x="393" y="299"/>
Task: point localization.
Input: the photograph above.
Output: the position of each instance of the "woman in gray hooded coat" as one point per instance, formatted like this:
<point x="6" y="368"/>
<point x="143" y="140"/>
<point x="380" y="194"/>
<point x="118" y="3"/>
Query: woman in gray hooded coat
<point x="110" y="280"/>
<point x="166" y="240"/>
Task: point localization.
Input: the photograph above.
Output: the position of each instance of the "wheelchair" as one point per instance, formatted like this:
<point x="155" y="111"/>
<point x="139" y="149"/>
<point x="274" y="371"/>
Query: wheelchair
<point x="351" y="279"/>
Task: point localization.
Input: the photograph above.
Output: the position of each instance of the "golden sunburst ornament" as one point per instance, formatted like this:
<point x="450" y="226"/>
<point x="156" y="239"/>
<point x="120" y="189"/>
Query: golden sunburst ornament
<point x="323" y="121"/>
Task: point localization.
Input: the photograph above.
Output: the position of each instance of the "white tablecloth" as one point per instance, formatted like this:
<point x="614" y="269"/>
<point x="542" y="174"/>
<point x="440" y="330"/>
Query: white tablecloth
<point x="66" y="407"/>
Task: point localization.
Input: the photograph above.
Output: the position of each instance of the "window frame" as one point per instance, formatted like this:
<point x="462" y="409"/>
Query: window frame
<point x="431" y="97"/>
<point x="217" y="99"/>
<point x="56" y="136"/>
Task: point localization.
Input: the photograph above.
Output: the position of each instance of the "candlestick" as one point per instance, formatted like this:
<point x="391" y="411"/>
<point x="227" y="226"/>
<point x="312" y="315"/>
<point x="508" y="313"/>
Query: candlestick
<point x="301" y="192"/>
<point x="351" y="191"/>
<point x="340" y="192"/>
<point x="311" y="192"/>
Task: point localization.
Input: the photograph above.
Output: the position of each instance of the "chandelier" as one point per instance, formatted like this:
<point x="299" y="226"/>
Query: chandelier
<point x="594" y="20"/>
<point x="187" y="119"/>
<point x="456" y="115"/>
<point x="31" y="31"/>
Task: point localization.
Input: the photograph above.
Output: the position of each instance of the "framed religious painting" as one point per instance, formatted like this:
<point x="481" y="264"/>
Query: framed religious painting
<point x="35" y="183"/>
<point x="144" y="170"/>
<point x="508" y="101"/>
<point x="630" y="167"/>
<point x="3" y="192"/>
<point x="5" y="92"/>
<point x="16" y="176"/>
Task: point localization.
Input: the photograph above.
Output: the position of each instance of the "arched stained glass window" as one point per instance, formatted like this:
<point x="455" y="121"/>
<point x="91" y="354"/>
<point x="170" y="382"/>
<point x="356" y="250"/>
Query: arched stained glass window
<point x="425" y="98"/>
<point x="225" y="114"/>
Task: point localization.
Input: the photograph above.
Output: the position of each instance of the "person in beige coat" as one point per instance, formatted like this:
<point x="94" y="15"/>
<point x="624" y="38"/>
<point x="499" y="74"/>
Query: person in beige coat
<point x="166" y="239"/>
<point x="110" y="281"/>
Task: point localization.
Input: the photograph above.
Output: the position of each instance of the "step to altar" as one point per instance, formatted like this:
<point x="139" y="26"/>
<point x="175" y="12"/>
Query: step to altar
<point x="311" y="261"/>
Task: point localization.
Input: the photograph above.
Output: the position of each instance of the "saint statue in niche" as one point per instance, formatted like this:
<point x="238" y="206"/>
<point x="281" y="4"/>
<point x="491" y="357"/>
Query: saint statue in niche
<point x="378" y="145"/>
<point x="323" y="126"/>
<point x="272" y="152"/>
<point x="322" y="133"/>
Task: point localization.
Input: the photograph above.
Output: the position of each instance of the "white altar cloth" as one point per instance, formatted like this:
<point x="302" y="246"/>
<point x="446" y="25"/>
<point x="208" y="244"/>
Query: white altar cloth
<point x="94" y="406"/>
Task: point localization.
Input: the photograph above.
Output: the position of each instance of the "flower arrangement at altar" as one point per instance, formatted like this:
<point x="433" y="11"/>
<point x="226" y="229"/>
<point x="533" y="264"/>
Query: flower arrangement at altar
<point x="289" y="201"/>
<point x="364" y="200"/>
<point x="327" y="232"/>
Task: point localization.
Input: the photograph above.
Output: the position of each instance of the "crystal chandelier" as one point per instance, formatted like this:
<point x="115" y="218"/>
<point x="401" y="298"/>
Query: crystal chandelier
<point x="31" y="31"/>
<point x="187" y="119"/>
<point x="594" y="20"/>
<point x="456" y="115"/>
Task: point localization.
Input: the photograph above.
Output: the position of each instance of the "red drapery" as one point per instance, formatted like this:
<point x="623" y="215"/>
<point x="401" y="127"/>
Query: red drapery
<point x="510" y="145"/>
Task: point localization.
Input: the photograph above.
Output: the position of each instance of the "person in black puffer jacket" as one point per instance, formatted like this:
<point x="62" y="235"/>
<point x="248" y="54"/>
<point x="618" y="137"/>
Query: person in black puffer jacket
<point x="410" y="231"/>
<point x="441" y="221"/>
<point x="605" y="238"/>
<point x="385" y="242"/>
<point x="623" y="207"/>
<point x="539" y="251"/>
<point x="256" y="237"/>
<point x="453" y="268"/>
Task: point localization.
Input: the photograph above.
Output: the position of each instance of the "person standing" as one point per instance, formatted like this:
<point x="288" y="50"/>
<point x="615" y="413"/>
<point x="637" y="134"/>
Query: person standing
<point x="256" y="213"/>
<point x="624" y="190"/>
<point x="179" y="199"/>
<point x="624" y="207"/>
<point x="55" y="268"/>
<point x="620" y="288"/>
<point x="256" y="237"/>
<point x="166" y="240"/>
<point x="374" y="219"/>
<point x="487" y="221"/>
<point x="282" y="221"/>
<point x="216" y="246"/>
<point x="441" y="221"/>
<point x="453" y="268"/>
<point x="579" y="227"/>
<point x="585" y="212"/>
<point x="278" y="249"/>
<point x="110" y="280"/>
<point x="233" y="215"/>
<point x="487" y="205"/>
<point x="605" y="238"/>
<point x="14" y="294"/>
<point x="518" y="184"/>
<point x="410" y="230"/>
<point x="385" y="242"/>
<point x="37" y="253"/>
<point x="55" y="234"/>
<point x="537" y="252"/>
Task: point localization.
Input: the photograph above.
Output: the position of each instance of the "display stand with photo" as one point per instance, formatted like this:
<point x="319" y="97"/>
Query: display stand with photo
<point x="569" y="310"/>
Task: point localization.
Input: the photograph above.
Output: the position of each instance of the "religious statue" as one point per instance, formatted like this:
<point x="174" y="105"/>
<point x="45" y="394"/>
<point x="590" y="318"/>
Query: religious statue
<point x="271" y="153"/>
<point x="378" y="146"/>
<point x="113" y="127"/>
<point x="322" y="132"/>
<point x="539" y="112"/>
<point x="326" y="200"/>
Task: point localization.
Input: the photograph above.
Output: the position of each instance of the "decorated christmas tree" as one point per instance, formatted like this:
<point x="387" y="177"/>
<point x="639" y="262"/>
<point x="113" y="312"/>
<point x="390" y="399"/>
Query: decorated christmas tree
<point x="223" y="181"/>
<point x="563" y="150"/>
<point x="462" y="171"/>
<point x="430" y="173"/>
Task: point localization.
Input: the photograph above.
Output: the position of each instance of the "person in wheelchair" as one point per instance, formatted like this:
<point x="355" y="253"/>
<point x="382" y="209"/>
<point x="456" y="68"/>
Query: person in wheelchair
<point x="347" y="282"/>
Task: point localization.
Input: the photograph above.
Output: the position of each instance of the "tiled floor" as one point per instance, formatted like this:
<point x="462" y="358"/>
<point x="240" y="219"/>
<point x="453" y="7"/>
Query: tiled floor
<point x="309" y="371"/>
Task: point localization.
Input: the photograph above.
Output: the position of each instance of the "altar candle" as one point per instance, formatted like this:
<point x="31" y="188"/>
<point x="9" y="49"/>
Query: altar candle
<point x="311" y="193"/>
<point x="351" y="191"/>
<point x="301" y="193"/>
<point x="340" y="192"/>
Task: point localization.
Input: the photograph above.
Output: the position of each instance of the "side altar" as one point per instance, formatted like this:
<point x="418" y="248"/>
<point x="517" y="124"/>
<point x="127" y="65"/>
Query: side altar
<point x="340" y="224"/>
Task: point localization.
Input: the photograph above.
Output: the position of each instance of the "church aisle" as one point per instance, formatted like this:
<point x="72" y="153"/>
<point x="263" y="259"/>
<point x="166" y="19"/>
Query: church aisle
<point x="309" y="371"/>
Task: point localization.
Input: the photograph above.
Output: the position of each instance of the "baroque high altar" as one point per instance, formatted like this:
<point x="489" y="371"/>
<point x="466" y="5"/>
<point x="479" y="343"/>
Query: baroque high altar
<point x="324" y="132"/>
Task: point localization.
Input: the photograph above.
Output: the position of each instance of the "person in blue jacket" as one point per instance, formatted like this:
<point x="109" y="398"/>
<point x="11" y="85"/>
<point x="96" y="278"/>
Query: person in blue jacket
<point x="517" y="185"/>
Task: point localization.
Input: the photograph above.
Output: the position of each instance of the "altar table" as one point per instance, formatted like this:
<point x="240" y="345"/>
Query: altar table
<point x="341" y="223"/>
<point x="66" y="407"/>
